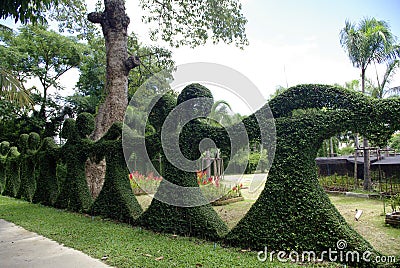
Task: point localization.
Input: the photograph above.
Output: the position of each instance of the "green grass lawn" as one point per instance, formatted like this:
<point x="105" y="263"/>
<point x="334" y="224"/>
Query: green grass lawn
<point x="124" y="245"/>
<point x="371" y="225"/>
<point x="127" y="246"/>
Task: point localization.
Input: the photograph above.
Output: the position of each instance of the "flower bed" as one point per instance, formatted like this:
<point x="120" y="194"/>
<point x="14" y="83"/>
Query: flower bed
<point x="142" y="185"/>
<point x="216" y="191"/>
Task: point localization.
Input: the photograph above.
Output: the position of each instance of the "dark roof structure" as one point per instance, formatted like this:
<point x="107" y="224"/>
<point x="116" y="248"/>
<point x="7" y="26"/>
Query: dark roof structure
<point x="391" y="160"/>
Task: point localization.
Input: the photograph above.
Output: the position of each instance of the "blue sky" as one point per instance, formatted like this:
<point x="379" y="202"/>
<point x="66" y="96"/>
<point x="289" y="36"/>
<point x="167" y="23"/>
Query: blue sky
<point x="291" y="42"/>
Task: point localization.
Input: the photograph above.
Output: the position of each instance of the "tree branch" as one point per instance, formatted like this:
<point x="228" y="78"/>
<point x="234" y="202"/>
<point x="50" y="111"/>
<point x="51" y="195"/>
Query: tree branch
<point x="132" y="62"/>
<point x="96" y="17"/>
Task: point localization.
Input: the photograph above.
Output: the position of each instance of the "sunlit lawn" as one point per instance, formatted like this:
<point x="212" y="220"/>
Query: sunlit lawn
<point x="127" y="246"/>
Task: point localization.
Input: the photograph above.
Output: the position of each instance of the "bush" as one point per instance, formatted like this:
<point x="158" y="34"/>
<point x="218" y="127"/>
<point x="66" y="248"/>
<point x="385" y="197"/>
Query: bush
<point x="28" y="145"/>
<point x="116" y="199"/>
<point x="4" y="149"/>
<point x="293" y="212"/>
<point x="75" y="194"/>
<point x="13" y="180"/>
<point x="47" y="189"/>
<point x="184" y="219"/>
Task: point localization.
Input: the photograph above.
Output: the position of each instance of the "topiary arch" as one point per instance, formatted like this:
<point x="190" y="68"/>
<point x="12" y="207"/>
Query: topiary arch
<point x="293" y="212"/>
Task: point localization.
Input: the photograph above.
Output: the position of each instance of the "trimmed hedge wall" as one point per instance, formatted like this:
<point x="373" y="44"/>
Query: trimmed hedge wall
<point x="292" y="213"/>
<point x="201" y="221"/>
<point x="75" y="194"/>
<point x="13" y="181"/>
<point x="28" y="145"/>
<point x="116" y="199"/>
<point x="4" y="149"/>
<point x="47" y="185"/>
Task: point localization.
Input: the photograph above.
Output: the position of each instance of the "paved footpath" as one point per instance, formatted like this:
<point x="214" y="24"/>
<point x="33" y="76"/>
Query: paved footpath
<point x="21" y="248"/>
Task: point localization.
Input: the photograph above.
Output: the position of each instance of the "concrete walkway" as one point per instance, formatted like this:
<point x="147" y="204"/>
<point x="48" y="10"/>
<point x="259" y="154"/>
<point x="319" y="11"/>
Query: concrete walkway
<point x="21" y="248"/>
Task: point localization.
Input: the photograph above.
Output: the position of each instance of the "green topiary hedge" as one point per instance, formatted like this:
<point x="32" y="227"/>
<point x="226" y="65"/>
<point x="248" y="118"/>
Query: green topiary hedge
<point x="165" y="215"/>
<point x="47" y="189"/>
<point x="4" y="149"/>
<point x="293" y="212"/>
<point x="116" y="199"/>
<point x="75" y="194"/>
<point x="27" y="166"/>
<point x="13" y="181"/>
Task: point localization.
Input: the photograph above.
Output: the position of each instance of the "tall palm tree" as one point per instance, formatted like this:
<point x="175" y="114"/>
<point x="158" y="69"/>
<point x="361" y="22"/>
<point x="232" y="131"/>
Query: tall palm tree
<point x="12" y="89"/>
<point x="371" y="41"/>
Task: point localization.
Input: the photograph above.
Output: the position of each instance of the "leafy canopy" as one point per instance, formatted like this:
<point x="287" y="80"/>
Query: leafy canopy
<point x="194" y="22"/>
<point x="25" y="10"/>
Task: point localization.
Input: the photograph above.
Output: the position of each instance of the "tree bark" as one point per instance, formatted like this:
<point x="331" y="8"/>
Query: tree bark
<point x="114" y="23"/>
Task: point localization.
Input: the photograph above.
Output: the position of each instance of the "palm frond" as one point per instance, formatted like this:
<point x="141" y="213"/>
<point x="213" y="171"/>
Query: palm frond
<point x="394" y="91"/>
<point x="12" y="90"/>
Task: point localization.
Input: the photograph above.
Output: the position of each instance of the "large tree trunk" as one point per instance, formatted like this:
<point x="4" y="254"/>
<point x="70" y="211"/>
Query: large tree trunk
<point x="367" y="179"/>
<point x="114" y="23"/>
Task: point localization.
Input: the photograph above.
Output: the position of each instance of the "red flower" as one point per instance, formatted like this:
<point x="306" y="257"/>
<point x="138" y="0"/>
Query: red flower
<point x="131" y="176"/>
<point x="241" y="185"/>
<point x="210" y="179"/>
<point x="234" y="188"/>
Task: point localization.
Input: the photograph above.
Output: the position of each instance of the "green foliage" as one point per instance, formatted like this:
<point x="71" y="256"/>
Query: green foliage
<point x="195" y="22"/>
<point x="90" y="86"/>
<point x="84" y="124"/>
<point x="26" y="10"/>
<point x="27" y="167"/>
<point x="12" y="89"/>
<point x="394" y="202"/>
<point x="116" y="199"/>
<point x="161" y="109"/>
<point x="325" y="149"/>
<point x="13" y="180"/>
<point x="47" y="188"/>
<point x="90" y="89"/>
<point x="293" y="211"/>
<point x="74" y="194"/>
<point x="338" y="182"/>
<point x="201" y="99"/>
<point x="124" y="245"/>
<point x="394" y="142"/>
<point x="4" y="149"/>
<point x="153" y="60"/>
<point x="348" y="150"/>
<point x="369" y="41"/>
<point x="201" y="221"/>
<point x="37" y="52"/>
